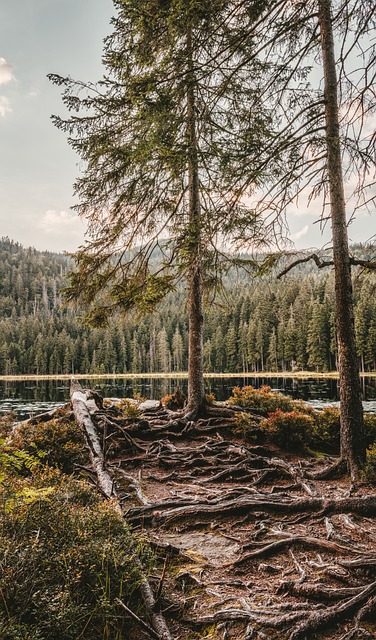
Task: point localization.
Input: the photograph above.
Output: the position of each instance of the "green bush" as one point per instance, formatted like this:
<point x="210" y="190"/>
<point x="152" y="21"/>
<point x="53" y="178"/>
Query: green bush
<point x="210" y="398"/>
<point x="247" y="428"/>
<point x="6" y="423"/>
<point x="129" y="408"/>
<point x="369" y="471"/>
<point x="174" y="401"/>
<point x="326" y="430"/>
<point x="66" y="556"/>
<point x="370" y="428"/>
<point x="263" y="400"/>
<point x="326" y="433"/>
<point x="293" y="424"/>
<point x="290" y="430"/>
<point x="60" y="441"/>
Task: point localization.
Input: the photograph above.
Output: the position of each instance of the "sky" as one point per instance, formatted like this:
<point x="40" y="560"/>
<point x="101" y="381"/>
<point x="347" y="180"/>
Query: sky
<point x="37" y="166"/>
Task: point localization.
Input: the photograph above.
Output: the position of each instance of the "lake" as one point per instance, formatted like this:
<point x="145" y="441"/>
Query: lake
<point x="32" y="396"/>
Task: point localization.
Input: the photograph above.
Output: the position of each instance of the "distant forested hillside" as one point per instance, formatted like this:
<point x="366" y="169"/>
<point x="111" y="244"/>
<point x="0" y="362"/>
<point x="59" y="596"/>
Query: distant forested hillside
<point x="259" y="324"/>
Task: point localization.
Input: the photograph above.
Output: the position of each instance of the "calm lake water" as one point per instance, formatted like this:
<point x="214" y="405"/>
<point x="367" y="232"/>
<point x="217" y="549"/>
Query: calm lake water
<point x="31" y="397"/>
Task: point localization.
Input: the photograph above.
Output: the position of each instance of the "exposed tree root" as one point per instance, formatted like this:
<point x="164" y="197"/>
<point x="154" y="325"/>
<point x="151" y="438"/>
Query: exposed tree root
<point x="318" y="591"/>
<point x="358" y="634"/>
<point x="364" y="563"/>
<point x="173" y="475"/>
<point x="295" y="541"/>
<point x="164" y="515"/>
<point x="335" y="470"/>
<point x="331" y="615"/>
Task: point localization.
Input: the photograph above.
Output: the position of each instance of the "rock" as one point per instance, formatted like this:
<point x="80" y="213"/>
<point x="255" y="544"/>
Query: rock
<point x="216" y="549"/>
<point x="149" y="405"/>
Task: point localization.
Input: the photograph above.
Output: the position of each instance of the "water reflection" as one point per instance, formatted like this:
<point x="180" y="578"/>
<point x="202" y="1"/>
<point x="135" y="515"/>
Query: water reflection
<point x="35" y="396"/>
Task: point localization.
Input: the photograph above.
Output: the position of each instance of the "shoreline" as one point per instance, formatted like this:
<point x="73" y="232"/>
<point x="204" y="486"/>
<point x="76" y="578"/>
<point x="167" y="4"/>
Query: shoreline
<point x="178" y="375"/>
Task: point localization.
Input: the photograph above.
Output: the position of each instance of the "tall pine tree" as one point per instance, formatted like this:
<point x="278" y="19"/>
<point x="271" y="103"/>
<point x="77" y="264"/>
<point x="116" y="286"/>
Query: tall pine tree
<point x="161" y="137"/>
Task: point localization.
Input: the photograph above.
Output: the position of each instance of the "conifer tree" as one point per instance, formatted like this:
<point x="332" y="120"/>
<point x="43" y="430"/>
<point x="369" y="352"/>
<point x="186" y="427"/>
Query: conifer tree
<point x="272" y="351"/>
<point x="177" y="350"/>
<point x="316" y="138"/>
<point x="318" y="338"/>
<point x="161" y="137"/>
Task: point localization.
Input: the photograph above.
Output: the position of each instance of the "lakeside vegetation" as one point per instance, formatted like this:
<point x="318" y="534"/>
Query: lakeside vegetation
<point x="131" y="519"/>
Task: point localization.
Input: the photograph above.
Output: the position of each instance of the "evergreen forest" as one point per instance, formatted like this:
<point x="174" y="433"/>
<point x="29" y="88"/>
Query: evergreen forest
<point x="259" y="324"/>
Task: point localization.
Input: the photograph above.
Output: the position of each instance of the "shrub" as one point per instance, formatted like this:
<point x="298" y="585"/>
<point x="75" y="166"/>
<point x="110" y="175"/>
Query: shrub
<point x="174" y="401"/>
<point x="369" y="471"/>
<point x="210" y="398"/>
<point x="263" y="400"/>
<point x="327" y="429"/>
<point x="321" y="430"/>
<point x="290" y="430"/>
<point x="66" y="556"/>
<point x="129" y="408"/>
<point x="6" y="423"/>
<point x="60" y="441"/>
<point x="370" y="428"/>
<point x="247" y="428"/>
<point x="168" y="401"/>
<point x="17" y="460"/>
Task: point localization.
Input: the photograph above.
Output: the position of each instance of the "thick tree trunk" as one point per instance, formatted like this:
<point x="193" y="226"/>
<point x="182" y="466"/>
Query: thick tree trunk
<point x="196" y="394"/>
<point x="352" y="426"/>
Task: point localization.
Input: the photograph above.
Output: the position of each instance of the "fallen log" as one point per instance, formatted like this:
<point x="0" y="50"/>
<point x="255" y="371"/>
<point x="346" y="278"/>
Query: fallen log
<point x="83" y="405"/>
<point x="81" y="409"/>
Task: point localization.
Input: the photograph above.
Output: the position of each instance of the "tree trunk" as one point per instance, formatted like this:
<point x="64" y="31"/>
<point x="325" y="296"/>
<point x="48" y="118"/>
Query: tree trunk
<point x="352" y="426"/>
<point x="196" y="394"/>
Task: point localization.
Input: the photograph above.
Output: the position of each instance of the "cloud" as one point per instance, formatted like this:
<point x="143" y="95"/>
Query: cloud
<point x="52" y="220"/>
<point x="6" y="74"/>
<point x="300" y="234"/>
<point x="4" y="106"/>
<point x="60" y="230"/>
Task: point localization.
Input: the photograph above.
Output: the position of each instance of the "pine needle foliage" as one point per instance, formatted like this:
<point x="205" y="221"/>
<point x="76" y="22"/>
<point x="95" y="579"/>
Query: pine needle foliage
<point x="133" y="130"/>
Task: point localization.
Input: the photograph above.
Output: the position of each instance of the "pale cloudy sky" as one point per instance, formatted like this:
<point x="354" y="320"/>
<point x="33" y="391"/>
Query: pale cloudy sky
<point x="37" y="167"/>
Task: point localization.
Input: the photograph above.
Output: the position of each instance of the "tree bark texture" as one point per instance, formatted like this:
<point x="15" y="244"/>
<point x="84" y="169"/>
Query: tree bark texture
<point x="196" y="394"/>
<point x="351" y="410"/>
